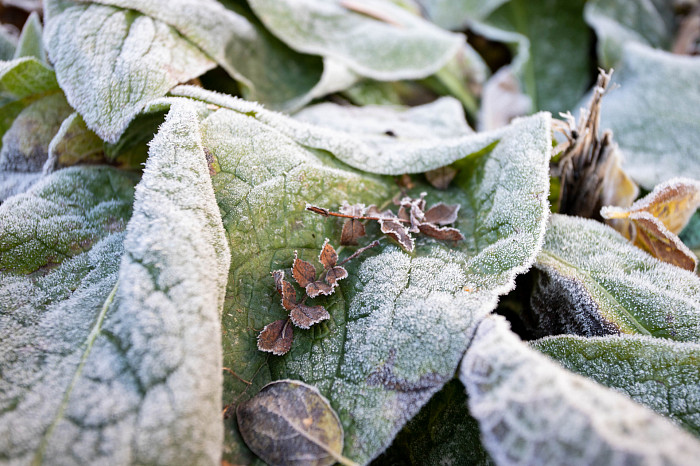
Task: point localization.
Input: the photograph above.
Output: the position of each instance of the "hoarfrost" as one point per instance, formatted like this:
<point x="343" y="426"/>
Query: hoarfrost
<point x="127" y="367"/>
<point x="658" y="373"/>
<point x="531" y="411"/>
<point x="592" y="270"/>
<point x="110" y="84"/>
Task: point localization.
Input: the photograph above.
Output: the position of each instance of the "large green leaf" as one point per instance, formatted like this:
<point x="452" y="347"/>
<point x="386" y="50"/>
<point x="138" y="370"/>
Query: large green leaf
<point x="655" y="372"/>
<point x="400" y="323"/>
<point x="655" y="114"/>
<point x="111" y="339"/>
<point x="267" y="69"/>
<point x="377" y="39"/>
<point x="110" y="62"/>
<point x="592" y="281"/>
<point x="549" y="38"/>
<point x="531" y="411"/>
<point x="443" y="432"/>
<point x="31" y="109"/>
<point x="617" y="22"/>
<point x="370" y="148"/>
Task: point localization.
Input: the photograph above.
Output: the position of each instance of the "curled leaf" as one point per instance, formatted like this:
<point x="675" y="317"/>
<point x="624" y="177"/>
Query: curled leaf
<point x="302" y="316"/>
<point x="396" y="230"/>
<point x="290" y="422"/>
<point x="276" y="338"/>
<point x="278" y="276"/>
<point x="653" y="221"/>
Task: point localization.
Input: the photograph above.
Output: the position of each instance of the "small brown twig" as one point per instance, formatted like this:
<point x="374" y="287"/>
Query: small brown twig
<point x="330" y="213"/>
<point x="371" y="245"/>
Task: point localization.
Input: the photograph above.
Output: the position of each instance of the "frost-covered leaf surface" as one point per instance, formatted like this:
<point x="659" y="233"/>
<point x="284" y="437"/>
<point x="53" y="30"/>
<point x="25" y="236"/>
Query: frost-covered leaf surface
<point x="31" y="110"/>
<point x="376" y="39"/>
<point x="30" y="42"/>
<point x="532" y="411"/>
<point x="655" y="114"/>
<point x="110" y="61"/>
<point x="655" y="372"/>
<point x="113" y="339"/>
<point x="267" y="69"/>
<point x="382" y="153"/>
<point x="592" y="281"/>
<point x="443" y="432"/>
<point x="617" y="22"/>
<point x="399" y="323"/>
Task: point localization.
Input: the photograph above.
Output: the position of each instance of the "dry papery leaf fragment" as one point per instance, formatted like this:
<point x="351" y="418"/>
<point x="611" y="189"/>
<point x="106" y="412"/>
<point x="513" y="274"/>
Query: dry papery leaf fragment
<point x="411" y="218"/>
<point x="590" y="165"/>
<point x="277" y="337"/>
<point x="290" y="423"/>
<point x="654" y="221"/>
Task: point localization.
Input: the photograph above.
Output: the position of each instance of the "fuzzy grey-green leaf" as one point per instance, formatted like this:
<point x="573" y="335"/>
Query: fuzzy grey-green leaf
<point x="124" y="335"/>
<point x="532" y="411"/>
<point x="138" y="59"/>
<point x="388" y="42"/>
<point x="655" y="372"/>
<point x="655" y="114"/>
<point x="399" y="323"/>
<point x="592" y="281"/>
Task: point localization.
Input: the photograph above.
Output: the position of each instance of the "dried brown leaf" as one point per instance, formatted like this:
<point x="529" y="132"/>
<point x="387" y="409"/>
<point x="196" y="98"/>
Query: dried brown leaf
<point x="290" y="422"/>
<point x="328" y="256"/>
<point x="276" y="338"/>
<point x="278" y="276"/>
<point x="336" y="273"/>
<point x="441" y="177"/>
<point x="318" y="288"/>
<point x="303" y="272"/>
<point x="352" y="229"/>
<point x="397" y="231"/>
<point x="305" y="316"/>
<point x="441" y="233"/>
<point x="442" y="214"/>
<point x="289" y="296"/>
<point x="653" y="221"/>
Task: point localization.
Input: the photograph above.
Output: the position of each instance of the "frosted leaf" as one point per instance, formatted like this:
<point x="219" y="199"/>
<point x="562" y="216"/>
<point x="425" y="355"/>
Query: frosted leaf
<point x="531" y="411"/>
<point x="502" y="100"/>
<point x="305" y="316"/>
<point x="120" y="339"/>
<point x="653" y="221"/>
<point x="618" y="22"/>
<point x="655" y="114"/>
<point x="548" y="37"/>
<point x="110" y="84"/>
<point x="303" y="272"/>
<point x="397" y="231"/>
<point x="399" y="323"/>
<point x="29" y="89"/>
<point x="268" y="70"/>
<point x="30" y="42"/>
<point x="442" y="433"/>
<point x="8" y="43"/>
<point x="404" y="47"/>
<point x="276" y="337"/>
<point x="592" y="281"/>
<point x="655" y="372"/>
<point x="385" y="158"/>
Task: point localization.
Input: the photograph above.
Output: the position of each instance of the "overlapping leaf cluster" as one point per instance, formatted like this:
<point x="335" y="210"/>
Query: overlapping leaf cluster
<point x="153" y="208"/>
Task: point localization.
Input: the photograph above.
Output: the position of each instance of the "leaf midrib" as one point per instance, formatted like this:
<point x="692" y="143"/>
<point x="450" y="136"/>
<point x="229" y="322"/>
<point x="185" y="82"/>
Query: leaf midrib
<point x="92" y="336"/>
